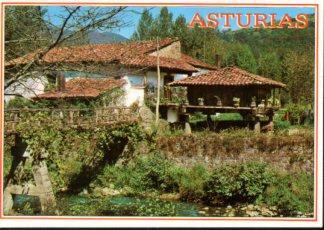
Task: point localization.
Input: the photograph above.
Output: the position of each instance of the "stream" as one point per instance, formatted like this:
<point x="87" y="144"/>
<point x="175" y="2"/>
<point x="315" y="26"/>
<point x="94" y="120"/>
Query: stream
<point x="85" y="205"/>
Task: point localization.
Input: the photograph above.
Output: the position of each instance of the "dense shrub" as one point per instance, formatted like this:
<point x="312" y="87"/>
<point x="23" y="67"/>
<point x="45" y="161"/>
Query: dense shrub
<point x="291" y="193"/>
<point x="249" y="182"/>
<point x="152" y="172"/>
<point x="278" y="124"/>
<point x="231" y="183"/>
<point x="144" y="173"/>
<point x="191" y="182"/>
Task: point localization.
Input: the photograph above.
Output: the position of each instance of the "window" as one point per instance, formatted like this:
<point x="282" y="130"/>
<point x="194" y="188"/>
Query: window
<point x="136" y="80"/>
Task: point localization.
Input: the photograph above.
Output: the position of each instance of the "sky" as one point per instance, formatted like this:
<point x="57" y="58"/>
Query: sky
<point x="132" y="18"/>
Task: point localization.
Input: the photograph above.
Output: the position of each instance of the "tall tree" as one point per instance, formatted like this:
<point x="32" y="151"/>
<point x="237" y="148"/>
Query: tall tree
<point x="269" y="65"/>
<point x="298" y="74"/>
<point x="24" y="26"/>
<point x="241" y="55"/>
<point x="145" y="26"/>
<point x="181" y="31"/>
<point x="164" y="23"/>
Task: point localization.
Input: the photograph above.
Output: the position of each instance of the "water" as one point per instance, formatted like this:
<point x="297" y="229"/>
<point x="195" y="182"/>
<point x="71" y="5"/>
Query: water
<point x="126" y="206"/>
<point x="85" y="205"/>
<point x="26" y="204"/>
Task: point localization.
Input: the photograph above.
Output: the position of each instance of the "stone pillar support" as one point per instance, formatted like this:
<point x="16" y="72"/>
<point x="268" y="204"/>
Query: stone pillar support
<point x="43" y="187"/>
<point x="187" y="124"/>
<point x="257" y="125"/>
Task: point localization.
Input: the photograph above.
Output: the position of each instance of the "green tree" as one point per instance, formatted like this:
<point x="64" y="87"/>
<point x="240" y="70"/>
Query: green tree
<point x="164" y="23"/>
<point x="240" y="55"/>
<point x="298" y="74"/>
<point x="24" y="26"/>
<point x="269" y="65"/>
<point x="181" y="31"/>
<point x="145" y="26"/>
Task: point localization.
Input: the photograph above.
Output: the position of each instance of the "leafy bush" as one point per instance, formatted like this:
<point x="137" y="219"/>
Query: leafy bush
<point x="278" y="124"/>
<point x="231" y="183"/>
<point x="151" y="172"/>
<point x="72" y="154"/>
<point x="191" y="182"/>
<point x="299" y="113"/>
<point x="144" y="173"/>
<point x="291" y="193"/>
<point x="18" y="102"/>
<point x="112" y="175"/>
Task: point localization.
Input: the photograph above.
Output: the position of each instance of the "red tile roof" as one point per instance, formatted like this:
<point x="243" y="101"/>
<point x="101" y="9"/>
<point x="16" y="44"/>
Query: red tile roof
<point x="196" y="63"/>
<point x="133" y="54"/>
<point x="165" y="63"/>
<point x="84" y="88"/>
<point x="229" y="76"/>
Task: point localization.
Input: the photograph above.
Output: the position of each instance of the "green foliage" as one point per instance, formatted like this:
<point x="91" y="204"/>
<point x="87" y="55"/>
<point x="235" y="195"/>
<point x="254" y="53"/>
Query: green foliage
<point x="150" y="28"/>
<point x="291" y="192"/>
<point x="21" y="102"/>
<point x="248" y="182"/>
<point x="228" y="117"/>
<point x="240" y="55"/>
<point x="275" y="54"/>
<point x="79" y="206"/>
<point x="18" y="102"/>
<point x="151" y="172"/>
<point x="191" y="182"/>
<point x="70" y="152"/>
<point x="154" y="173"/>
<point x="145" y="26"/>
<point x="123" y="206"/>
<point x="126" y="206"/>
<point x="23" y="29"/>
<point x="197" y="116"/>
<point x="244" y="182"/>
<point x="280" y="125"/>
<point x="164" y="23"/>
<point x="296" y="111"/>
<point x="279" y="122"/>
<point x="7" y="157"/>
<point x="269" y="65"/>
<point x="298" y="74"/>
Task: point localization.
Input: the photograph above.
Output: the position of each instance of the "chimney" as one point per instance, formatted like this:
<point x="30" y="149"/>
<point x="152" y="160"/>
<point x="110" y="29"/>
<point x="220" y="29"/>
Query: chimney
<point x="218" y="60"/>
<point x="60" y="82"/>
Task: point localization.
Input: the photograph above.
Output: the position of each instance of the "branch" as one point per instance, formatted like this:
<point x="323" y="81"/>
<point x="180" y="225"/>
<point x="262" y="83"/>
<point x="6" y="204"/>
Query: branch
<point x="61" y="38"/>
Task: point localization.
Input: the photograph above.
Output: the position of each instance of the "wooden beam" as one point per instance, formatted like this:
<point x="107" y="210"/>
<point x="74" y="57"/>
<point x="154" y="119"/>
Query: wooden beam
<point x="158" y="83"/>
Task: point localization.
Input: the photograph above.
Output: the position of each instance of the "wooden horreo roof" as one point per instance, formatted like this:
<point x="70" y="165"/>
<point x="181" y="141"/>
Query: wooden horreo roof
<point x="228" y="76"/>
<point x="131" y="54"/>
<point x="83" y="88"/>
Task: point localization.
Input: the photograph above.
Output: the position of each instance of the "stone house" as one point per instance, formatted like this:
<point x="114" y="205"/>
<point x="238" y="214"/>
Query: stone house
<point x="134" y="62"/>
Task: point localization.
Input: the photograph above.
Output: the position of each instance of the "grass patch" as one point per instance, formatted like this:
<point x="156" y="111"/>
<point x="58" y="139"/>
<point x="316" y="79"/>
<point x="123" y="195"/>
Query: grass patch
<point x="227" y="117"/>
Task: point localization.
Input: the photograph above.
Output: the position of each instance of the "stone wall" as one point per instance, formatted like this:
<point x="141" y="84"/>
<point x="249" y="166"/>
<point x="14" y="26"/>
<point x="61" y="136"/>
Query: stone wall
<point x="171" y="51"/>
<point x="286" y="152"/>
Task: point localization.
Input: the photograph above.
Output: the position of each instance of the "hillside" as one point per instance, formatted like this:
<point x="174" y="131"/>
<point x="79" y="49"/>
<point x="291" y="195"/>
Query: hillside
<point x="274" y="40"/>
<point x="96" y="37"/>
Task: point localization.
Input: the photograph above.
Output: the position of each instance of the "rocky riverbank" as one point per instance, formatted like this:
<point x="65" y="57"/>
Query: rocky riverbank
<point x="236" y="210"/>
